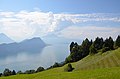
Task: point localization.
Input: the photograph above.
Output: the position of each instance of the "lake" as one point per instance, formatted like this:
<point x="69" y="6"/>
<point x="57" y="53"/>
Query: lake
<point x="25" y="61"/>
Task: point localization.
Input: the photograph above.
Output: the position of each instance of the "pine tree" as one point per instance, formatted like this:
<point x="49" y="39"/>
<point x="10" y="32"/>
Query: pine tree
<point x="117" y="42"/>
<point x="85" y="47"/>
<point x="71" y="46"/>
<point x="13" y="72"/>
<point x="111" y="43"/>
<point x="98" y="43"/>
<point x="108" y="44"/>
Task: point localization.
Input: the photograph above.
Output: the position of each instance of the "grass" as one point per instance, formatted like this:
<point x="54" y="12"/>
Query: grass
<point x="100" y="60"/>
<point x="99" y="66"/>
<point x="105" y="73"/>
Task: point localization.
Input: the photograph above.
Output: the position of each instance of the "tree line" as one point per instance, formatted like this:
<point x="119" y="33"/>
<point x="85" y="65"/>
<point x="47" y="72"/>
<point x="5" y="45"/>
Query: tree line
<point x="77" y="52"/>
<point x="8" y="72"/>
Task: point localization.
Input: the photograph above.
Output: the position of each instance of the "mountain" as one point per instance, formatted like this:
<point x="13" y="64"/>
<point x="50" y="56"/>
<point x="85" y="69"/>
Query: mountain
<point x="34" y="45"/>
<point x="5" y="39"/>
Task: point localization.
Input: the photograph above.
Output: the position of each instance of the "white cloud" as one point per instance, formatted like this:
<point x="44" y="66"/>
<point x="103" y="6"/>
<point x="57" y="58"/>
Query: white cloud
<point x="24" y="24"/>
<point x="90" y="32"/>
<point x="7" y="14"/>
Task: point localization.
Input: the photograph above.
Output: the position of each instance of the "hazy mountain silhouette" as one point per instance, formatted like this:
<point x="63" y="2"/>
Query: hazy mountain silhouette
<point x="5" y="39"/>
<point x="34" y="45"/>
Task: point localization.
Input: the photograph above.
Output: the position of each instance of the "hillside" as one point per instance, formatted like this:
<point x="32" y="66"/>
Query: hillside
<point x="100" y="60"/>
<point x="106" y="66"/>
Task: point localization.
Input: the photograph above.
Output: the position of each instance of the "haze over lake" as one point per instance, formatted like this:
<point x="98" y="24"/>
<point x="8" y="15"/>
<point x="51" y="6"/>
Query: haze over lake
<point x="24" y="60"/>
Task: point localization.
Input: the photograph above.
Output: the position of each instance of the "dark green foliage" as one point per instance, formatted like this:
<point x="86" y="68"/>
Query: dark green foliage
<point x="68" y="68"/>
<point x="98" y="43"/>
<point x="68" y="59"/>
<point x="117" y="42"/>
<point x="75" y="55"/>
<point x="40" y="69"/>
<point x="111" y="43"/>
<point x="13" y="72"/>
<point x="19" y="72"/>
<point x="29" y="71"/>
<point x="93" y="50"/>
<point x="85" y="47"/>
<point x="56" y="65"/>
<point x="71" y="46"/>
<point x="78" y="51"/>
<point x="7" y="72"/>
<point x="0" y="74"/>
<point x="108" y="43"/>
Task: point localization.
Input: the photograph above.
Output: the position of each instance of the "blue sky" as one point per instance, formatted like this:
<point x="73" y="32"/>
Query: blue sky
<point x="56" y="6"/>
<point x="22" y="19"/>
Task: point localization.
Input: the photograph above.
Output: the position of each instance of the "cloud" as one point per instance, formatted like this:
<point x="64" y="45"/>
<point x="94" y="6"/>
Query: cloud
<point x="90" y="32"/>
<point x="7" y="14"/>
<point x="25" y="24"/>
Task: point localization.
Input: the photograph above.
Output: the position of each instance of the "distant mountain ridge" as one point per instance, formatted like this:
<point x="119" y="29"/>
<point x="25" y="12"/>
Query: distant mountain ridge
<point x="34" y="45"/>
<point x="5" y="39"/>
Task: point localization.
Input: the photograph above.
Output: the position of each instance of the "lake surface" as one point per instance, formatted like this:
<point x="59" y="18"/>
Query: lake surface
<point x="25" y="61"/>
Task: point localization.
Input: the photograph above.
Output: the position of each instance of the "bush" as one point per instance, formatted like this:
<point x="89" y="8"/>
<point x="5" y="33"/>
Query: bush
<point x="68" y="68"/>
<point x="7" y="72"/>
<point x="13" y="72"/>
<point x="56" y="65"/>
<point x="19" y="72"/>
<point x="0" y="74"/>
<point x="29" y="71"/>
<point x="117" y="42"/>
<point x="40" y="69"/>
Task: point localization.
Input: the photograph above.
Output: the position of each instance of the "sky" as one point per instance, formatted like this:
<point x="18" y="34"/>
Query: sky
<point x="78" y="19"/>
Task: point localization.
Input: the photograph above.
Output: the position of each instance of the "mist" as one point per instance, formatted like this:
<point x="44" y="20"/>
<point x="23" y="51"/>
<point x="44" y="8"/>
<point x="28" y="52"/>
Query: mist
<point x="25" y="61"/>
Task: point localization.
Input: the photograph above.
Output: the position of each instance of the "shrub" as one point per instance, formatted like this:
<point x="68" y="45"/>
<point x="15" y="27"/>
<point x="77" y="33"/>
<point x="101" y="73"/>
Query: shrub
<point x="19" y="72"/>
<point x="0" y="74"/>
<point x="40" y="69"/>
<point x="56" y="65"/>
<point x="29" y="71"/>
<point x="13" y="72"/>
<point x="68" y="68"/>
<point x="7" y="72"/>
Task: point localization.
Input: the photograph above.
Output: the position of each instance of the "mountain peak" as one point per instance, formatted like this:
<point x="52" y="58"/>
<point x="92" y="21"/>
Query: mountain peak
<point x="34" y="45"/>
<point x="5" y="39"/>
<point x="33" y="39"/>
<point x="2" y="34"/>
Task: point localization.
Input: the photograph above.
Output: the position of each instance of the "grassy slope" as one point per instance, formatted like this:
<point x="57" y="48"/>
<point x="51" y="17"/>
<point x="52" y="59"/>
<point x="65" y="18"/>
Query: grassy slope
<point x="105" y="60"/>
<point x="99" y="66"/>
